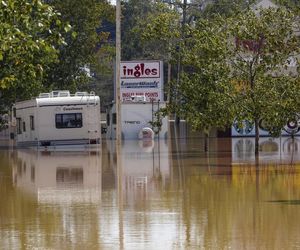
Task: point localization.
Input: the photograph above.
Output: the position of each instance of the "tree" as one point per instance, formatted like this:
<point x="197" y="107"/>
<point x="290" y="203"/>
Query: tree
<point x="207" y="94"/>
<point x="259" y="51"/>
<point x="238" y="68"/>
<point x="225" y="8"/>
<point x="103" y="66"/>
<point x="30" y="33"/>
<point x="292" y="4"/>
<point x="133" y="13"/>
<point x="160" y="32"/>
<point x="103" y="72"/>
<point x="76" y="59"/>
<point x="234" y="67"/>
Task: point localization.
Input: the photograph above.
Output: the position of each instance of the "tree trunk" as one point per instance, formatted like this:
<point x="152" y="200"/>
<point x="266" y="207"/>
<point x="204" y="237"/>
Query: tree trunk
<point x="206" y="145"/>
<point x="256" y="138"/>
<point x="169" y="83"/>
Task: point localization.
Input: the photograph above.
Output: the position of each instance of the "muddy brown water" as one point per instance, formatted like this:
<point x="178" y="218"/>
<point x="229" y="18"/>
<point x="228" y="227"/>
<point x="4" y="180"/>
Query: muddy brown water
<point x="153" y="195"/>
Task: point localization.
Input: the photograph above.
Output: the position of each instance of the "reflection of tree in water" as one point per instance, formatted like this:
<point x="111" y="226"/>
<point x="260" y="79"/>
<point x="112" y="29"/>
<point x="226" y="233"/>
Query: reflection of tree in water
<point x="290" y="145"/>
<point x="244" y="148"/>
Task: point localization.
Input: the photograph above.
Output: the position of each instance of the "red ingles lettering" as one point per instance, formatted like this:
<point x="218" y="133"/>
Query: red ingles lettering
<point x="140" y="70"/>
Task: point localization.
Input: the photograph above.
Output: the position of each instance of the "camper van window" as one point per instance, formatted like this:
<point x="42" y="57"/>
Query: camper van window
<point x="114" y="118"/>
<point x="19" y="130"/>
<point x="73" y="120"/>
<point x="107" y="119"/>
<point x="14" y="112"/>
<point x="31" y="122"/>
<point x="24" y="127"/>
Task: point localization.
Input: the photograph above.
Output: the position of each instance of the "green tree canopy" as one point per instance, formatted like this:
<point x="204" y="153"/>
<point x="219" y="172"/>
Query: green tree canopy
<point x="225" y="8"/>
<point x="30" y="33"/>
<point x="134" y="12"/>
<point x="75" y="59"/>
<point x="206" y="94"/>
<point x="261" y="55"/>
<point x="240" y="67"/>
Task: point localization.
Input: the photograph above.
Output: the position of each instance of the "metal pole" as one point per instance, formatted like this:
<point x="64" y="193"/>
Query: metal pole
<point x="118" y="123"/>
<point x="118" y="61"/>
<point x="179" y="66"/>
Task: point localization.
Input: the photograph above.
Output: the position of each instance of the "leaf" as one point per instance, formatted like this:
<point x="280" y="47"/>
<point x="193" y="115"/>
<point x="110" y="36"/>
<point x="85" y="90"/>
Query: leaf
<point x="4" y="3"/>
<point x="67" y="28"/>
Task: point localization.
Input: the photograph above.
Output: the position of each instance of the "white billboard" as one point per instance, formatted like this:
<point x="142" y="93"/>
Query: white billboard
<point x="141" y="79"/>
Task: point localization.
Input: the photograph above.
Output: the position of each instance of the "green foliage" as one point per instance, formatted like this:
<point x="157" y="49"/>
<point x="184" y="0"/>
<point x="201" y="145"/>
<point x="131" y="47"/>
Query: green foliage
<point x="204" y="87"/>
<point x="259" y="58"/>
<point x="160" y="32"/>
<point x="30" y="33"/>
<point x="85" y="17"/>
<point x="238" y="68"/>
<point x="292" y="4"/>
<point x="102" y="81"/>
<point x="134" y="12"/>
<point x="156" y="123"/>
<point x="225" y="8"/>
<point x="234" y="61"/>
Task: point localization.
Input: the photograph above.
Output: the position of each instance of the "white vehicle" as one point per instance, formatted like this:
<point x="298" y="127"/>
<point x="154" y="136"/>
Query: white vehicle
<point x="137" y="119"/>
<point x="58" y="119"/>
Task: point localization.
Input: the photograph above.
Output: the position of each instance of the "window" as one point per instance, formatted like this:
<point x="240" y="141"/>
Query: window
<point x="32" y="122"/>
<point x="73" y="120"/>
<point x="19" y="130"/>
<point x="24" y="127"/>
<point x="14" y="112"/>
<point x="114" y="118"/>
<point x="107" y="119"/>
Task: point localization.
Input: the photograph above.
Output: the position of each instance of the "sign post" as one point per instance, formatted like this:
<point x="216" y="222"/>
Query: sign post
<point x="118" y="61"/>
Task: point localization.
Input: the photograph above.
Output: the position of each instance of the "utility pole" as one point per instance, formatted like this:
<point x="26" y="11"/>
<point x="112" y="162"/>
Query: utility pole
<point x="118" y="123"/>
<point x="184" y="7"/>
<point x="179" y="66"/>
<point x="118" y="62"/>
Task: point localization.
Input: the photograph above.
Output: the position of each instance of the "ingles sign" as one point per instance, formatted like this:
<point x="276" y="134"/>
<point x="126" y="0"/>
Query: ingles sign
<point x="142" y="78"/>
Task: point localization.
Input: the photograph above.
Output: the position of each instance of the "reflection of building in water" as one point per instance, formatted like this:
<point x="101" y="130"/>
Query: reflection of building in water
<point x="59" y="177"/>
<point x="144" y="165"/>
<point x="281" y="150"/>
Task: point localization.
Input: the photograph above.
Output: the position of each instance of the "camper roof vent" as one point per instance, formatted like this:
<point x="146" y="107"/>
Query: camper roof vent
<point x="63" y="93"/>
<point x="44" y="95"/>
<point x="60" y="93"/>
<point x="81" y="94"/>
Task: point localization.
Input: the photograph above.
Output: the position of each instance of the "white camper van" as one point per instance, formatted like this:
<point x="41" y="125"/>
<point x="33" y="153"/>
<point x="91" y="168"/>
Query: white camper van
<point x="58" y="119"/>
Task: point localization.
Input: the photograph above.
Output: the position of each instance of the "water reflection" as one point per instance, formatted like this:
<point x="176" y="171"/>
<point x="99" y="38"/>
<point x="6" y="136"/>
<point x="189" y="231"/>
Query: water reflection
<point x="58" y="177"/>
<point x="153" y="195"/>
<point x="144" y="165"/>
<point x="283" y="150"/>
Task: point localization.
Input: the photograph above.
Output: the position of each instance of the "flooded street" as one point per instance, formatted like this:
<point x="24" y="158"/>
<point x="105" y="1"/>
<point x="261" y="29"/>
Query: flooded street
<point x="153" y="195"/>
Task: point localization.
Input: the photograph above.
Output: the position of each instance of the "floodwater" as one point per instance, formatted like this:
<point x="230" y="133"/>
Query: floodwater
<point x="153" y="195"/>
